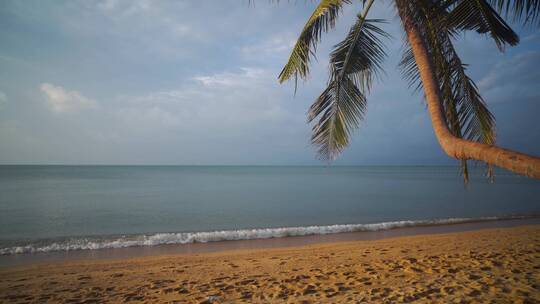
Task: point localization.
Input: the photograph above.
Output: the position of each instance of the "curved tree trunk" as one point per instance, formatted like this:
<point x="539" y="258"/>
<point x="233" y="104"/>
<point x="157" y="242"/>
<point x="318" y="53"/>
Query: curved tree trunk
<point x="453" y="146"/>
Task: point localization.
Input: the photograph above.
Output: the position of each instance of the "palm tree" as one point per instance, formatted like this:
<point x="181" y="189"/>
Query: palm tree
<point x="463" y="125"/>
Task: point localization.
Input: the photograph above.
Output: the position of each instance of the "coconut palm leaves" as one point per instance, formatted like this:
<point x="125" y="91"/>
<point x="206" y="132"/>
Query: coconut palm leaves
<point x="464" y="108"/>
<point x="525" y="11"/>
<point x="342" y="105"/>
<point x="322" y="20"/>
<point x="479" y="16"/>
<point x="355" y="61"/>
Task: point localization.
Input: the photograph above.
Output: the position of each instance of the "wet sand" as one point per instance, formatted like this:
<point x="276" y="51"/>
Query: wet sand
<point x="500" y="265"/>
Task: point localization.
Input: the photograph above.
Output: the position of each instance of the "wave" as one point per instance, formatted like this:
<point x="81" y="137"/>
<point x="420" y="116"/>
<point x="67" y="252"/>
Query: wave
<point x="228" y="235"/>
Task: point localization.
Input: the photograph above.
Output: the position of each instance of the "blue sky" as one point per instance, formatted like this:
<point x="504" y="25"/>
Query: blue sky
<point x="194" y="82"/>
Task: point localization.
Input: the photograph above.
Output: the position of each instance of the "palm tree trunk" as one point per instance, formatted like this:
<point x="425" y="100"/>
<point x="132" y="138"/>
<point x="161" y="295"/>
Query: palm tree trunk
<point x="453" y="146"/>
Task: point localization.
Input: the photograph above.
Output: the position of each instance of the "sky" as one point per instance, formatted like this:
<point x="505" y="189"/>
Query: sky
<point x="195" y="83"/>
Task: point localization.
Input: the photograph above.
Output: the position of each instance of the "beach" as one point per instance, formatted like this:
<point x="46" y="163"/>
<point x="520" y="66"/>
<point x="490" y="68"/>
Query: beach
<point x="495" y="265"/>
<point x="160" y="152"/>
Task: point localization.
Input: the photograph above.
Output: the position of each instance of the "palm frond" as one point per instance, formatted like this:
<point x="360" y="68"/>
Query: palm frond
<point x="525" y="11"/>
<point x="361" y="54"/>
<point x="465" y="111"/>
<point x="409" y="70"/>
<point x="478" y="15"/>
<point x="342" y="105"/>
<point x="322" y="20"/>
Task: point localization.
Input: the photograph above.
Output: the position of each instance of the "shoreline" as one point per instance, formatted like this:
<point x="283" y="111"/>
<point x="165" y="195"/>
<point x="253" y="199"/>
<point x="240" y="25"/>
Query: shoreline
<point x="254" y="244"/>
<point x="479" y="266"/>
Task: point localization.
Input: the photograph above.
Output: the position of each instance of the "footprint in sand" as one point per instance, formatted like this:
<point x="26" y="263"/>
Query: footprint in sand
<point x="310" y="289"/>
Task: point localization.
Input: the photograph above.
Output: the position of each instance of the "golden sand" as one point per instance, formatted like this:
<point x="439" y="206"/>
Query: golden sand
<point x="484" y="266"/>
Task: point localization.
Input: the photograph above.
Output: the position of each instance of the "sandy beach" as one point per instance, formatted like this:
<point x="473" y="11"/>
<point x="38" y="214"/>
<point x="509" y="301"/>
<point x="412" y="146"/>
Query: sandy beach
<point x="485" y="266"/>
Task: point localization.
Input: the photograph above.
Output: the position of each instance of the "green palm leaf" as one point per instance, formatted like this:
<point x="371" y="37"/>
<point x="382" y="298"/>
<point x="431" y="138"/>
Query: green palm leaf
<point x="322" y="20"/>
<point x="342" y="105"/>
<point x="479" y="16"/>
<point x="361" y="54"/>
<point x="431" y="26"/>
<point x="525" y="11"/>
<point x="466" y="113"/>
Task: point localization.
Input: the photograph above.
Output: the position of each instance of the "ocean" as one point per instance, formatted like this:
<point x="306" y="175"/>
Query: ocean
<point x="64" y="208"/>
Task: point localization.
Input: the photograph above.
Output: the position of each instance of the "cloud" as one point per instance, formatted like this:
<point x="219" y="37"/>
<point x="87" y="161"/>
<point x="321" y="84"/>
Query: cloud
<point x="513" y="78"/>
<point x="61" y="100"/>
<point x="3" y="99"/>
<point x="246" y="78"/>
<point x="245" y="102"/>
<point x="268" y="47"/>
<point x="175" y="92"/>
<point x="158" y="29"/>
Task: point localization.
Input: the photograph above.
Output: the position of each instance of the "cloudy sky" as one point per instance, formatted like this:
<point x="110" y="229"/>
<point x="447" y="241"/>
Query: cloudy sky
<point x="194" y="82"/>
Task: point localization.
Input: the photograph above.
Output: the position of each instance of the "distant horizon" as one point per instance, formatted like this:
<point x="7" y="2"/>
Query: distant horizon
<point x="245" y="165"/>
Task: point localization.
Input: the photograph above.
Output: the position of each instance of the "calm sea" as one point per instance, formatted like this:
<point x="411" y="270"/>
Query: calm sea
<point x="58" y="208"/>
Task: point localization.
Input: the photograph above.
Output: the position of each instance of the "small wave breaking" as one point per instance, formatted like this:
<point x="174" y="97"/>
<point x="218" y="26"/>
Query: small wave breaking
<point x="227" y="235"/>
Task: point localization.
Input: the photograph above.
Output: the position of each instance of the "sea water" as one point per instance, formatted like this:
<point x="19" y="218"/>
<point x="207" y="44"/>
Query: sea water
<point x="59" y="208"/>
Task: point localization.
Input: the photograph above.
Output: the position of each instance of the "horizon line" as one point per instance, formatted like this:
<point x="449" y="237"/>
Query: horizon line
<point x="233" y="165"/>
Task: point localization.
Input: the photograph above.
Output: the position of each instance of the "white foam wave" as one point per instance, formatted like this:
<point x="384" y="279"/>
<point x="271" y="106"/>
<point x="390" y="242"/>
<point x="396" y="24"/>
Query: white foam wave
<point x="227" y="235"/>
